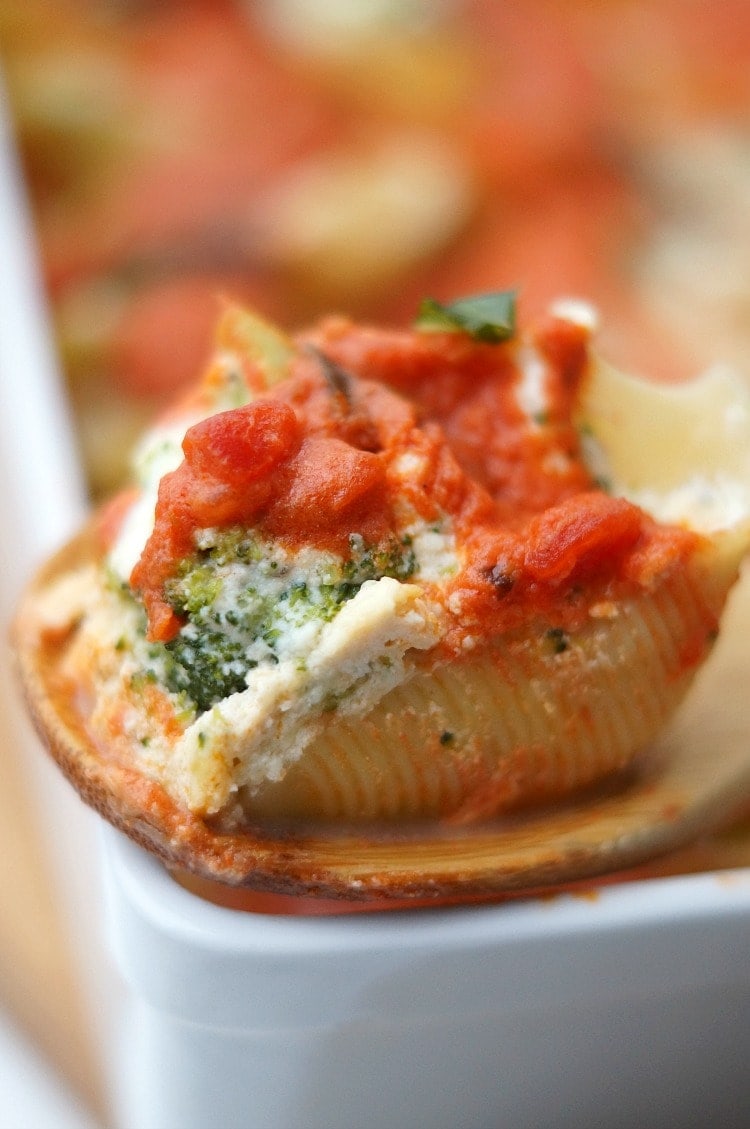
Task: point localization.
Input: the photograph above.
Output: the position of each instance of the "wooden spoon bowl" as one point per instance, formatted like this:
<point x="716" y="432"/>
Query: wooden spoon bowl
<point x="689" y="782"/>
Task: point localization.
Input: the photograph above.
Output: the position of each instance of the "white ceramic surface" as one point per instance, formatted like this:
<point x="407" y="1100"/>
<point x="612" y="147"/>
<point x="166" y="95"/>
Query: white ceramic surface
<point x="42" y="501"/>
<point x="32" y="1096"/>
<point x="630" y="1008"/>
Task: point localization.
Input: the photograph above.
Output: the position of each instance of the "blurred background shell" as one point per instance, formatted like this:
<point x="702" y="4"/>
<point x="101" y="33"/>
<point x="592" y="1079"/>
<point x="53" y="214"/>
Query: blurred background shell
<point x="309" y="156"/>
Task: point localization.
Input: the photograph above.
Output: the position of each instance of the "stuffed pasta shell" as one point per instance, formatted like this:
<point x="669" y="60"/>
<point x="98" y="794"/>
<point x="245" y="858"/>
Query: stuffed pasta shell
<point x="373" y="576"/>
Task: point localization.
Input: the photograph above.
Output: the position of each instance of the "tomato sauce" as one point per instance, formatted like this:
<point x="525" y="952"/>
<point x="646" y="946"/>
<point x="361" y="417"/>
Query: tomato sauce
<point x="470" y="389"/>
<point x="321" y="456"/>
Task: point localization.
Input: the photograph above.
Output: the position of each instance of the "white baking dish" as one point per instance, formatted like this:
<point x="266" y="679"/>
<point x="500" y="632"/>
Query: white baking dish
<point x="625" y="1007"/>
<point x="42" y="501"/>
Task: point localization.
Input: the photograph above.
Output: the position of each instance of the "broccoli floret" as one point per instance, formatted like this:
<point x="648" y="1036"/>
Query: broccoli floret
<point x="244" y="603"/>
<point x="196" y="589"/>
<point x="207" y="668"/>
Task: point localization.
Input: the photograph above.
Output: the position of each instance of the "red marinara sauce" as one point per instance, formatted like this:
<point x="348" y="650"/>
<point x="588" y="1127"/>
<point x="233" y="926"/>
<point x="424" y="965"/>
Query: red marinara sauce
<point x="320" y="456"/>
<point x="552" y="542"/>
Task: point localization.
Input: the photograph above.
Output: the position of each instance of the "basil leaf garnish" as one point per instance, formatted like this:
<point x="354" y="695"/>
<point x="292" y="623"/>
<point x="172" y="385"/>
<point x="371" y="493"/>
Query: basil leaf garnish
<point x="485" y="317"/>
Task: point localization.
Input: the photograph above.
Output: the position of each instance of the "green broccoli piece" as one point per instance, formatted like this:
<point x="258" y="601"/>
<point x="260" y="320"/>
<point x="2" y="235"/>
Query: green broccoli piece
<point x="232" y="626"/>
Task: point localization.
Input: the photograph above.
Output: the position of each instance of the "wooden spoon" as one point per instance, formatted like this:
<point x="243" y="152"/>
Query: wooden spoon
<point x="690" y="782"/>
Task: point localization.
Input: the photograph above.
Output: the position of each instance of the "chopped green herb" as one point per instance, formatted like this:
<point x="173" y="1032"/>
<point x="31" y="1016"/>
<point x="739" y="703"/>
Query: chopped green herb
<point x="139" y="679"/>
<point x="330" y="703"/>
<point x="485" y="317"/>
<point x="559" y="640"/>
<point x="447" y="738"/>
